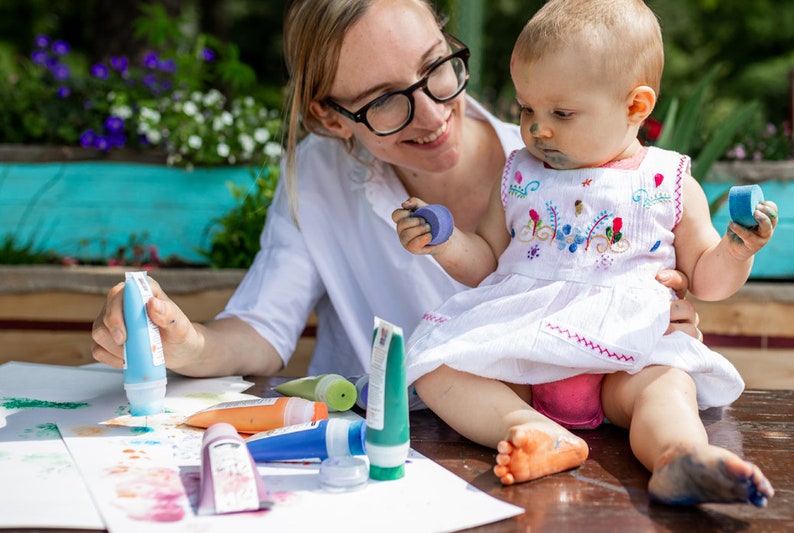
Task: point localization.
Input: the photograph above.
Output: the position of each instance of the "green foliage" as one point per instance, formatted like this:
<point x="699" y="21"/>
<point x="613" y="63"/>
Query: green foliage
<point x="13" y="252"/>
<point x="234" y="241"/>
<point x="679" y="130"/>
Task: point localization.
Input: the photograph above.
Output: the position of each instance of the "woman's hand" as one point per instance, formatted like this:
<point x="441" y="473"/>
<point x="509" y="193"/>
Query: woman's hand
<point x="182" y="342"/>
<point x="683" y="316"/>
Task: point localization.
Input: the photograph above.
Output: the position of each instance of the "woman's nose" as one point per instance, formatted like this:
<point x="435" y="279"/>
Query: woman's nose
<point x="427" y="112"/>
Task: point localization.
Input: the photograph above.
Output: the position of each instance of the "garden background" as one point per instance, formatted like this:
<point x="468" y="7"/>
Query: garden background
<point x="724" y="57"/>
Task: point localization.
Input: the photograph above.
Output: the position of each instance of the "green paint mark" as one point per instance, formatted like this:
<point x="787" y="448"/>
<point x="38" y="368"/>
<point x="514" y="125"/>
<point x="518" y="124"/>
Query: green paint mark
<point x="43" y="431"/>
<point x="29" y="403"/>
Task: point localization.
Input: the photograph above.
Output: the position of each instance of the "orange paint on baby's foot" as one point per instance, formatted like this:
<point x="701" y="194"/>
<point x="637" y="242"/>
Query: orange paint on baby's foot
<point x="688" y="475"/>
<point x="529" y="453"/>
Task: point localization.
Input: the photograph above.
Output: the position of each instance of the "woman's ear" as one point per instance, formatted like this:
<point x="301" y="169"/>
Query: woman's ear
<point x="641" y="102"/>
<point x="330" y="120"/>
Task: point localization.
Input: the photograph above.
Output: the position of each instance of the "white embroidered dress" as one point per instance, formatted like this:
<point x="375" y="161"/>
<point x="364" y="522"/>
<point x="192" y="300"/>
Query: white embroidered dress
<point x="575" y="291"/>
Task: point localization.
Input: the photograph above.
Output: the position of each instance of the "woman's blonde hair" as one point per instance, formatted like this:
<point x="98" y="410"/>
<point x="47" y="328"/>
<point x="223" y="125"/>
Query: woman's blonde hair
<point x="626" y="31"/>
<point x="313" y="35"/>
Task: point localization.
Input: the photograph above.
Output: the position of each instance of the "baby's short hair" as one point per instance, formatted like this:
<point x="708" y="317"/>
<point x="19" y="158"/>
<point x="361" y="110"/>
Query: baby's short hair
<point x="626" y="32"/>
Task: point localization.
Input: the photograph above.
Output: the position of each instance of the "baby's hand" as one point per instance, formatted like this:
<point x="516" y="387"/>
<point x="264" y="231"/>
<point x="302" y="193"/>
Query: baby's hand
<point x="745" y="242"/>
<point x="414" y="232"/>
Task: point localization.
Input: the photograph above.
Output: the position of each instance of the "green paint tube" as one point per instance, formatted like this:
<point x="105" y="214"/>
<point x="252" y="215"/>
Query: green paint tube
<point x="337" y="392"/>
<point x="388" y="432"/>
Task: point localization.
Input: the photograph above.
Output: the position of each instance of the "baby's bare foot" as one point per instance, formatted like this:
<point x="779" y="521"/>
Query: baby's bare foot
<point x="529" y="453"/>
<point x="688" y="475"/>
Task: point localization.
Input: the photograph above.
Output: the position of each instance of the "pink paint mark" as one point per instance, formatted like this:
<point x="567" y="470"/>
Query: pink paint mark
<point x="151" y="494"/>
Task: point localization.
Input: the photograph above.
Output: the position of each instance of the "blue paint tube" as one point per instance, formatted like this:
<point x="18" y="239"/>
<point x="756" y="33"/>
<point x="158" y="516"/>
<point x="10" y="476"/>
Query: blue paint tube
<point x="388" y="432"/>
<point x="230" y="482"/>
<point x="144" y="361"/>
<point x="332" y="437"/>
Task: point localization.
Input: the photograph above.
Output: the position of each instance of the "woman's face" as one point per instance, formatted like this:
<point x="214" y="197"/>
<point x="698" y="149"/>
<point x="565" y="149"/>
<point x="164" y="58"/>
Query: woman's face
<point x="391" y="48"/>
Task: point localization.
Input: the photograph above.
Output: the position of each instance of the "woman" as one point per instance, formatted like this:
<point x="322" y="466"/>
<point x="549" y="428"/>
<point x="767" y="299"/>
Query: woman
<point x="380" y="88"/>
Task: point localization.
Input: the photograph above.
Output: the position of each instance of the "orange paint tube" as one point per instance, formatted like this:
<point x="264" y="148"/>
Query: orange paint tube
<point x="260" y="414"/>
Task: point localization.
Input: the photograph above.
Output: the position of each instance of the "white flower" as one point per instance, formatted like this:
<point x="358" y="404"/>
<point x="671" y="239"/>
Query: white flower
<point x="217" y="123"/>
<point x="227" y="118"/>
<point x="190" y="109"/>
<point x="150" y="115"/>
<point x="223" y="149"/>
<point x="247" y="142"/>
<point x="122" y="111"/>
<point x="248" y="101"/>
<point x="273" y="149"/>
<point x="196" y="96"/>
<point x="213" y="97"/>
<point x="153" y="136"/>
<point x="261" y="135"/>
<point x="194" y="141"/>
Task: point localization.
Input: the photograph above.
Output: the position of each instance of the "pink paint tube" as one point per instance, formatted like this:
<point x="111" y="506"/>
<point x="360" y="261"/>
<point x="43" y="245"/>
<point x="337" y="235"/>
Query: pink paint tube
<point x="230" y="482"/>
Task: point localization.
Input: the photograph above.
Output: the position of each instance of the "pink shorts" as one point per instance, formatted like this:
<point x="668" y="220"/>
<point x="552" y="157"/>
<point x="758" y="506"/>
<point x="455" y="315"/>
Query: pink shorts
<point x="574" y="403"/>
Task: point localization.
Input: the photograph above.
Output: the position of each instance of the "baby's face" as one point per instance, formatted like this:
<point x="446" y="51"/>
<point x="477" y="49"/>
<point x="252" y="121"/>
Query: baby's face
<point x="572" y="114"/>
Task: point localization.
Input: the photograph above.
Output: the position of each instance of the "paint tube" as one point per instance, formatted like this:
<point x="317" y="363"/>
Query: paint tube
<point x="388" y="432"/>
<point x="334" y="437"/>
<point x="362" y="394"/>
<point x="337" y="392"/>
<point x="260" y="414"/>
<point x="229" y="482"/>
<point x="144" y="361"/>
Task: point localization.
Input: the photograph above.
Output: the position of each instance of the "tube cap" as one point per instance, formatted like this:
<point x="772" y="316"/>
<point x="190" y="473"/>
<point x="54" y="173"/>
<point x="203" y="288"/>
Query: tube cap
<point x="386" y="473"/>
<point x="300" y="410"/>
<point x="440" y="220"/>
<point x="146" y="398"/>
<point x="341" y="474"/>
<point x="742" y="200"/>
<point x="337" y="392"/>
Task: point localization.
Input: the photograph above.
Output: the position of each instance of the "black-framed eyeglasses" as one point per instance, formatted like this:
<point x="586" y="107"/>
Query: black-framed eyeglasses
<point x="393" y="111"/>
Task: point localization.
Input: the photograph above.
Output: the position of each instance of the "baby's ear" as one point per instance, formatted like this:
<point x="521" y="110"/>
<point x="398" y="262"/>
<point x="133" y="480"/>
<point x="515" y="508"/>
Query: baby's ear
<point x="641" y="102"/>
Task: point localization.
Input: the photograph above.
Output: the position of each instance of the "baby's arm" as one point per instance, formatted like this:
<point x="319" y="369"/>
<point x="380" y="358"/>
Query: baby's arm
<point x="717" y="267"/>
<point x="466" y="256"/>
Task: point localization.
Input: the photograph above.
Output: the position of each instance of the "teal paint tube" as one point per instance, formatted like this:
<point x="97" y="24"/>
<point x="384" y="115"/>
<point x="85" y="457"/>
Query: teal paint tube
<point x="388" y="432"/>
<point x="144" y="361"/>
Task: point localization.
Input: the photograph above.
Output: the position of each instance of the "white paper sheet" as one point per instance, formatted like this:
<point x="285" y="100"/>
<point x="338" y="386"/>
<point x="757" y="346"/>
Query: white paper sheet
<point x="40" y="485"/>
<point x="143" y="473"/>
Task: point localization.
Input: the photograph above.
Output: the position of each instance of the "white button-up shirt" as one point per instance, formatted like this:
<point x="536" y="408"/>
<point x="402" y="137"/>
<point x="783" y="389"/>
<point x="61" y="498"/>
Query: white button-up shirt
<point x="345" y="262"/>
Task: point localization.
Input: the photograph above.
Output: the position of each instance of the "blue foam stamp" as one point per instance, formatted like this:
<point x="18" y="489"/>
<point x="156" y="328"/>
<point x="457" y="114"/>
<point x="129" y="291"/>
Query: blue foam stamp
<point x="742" y="201"/>
<point x="440" y="220"/>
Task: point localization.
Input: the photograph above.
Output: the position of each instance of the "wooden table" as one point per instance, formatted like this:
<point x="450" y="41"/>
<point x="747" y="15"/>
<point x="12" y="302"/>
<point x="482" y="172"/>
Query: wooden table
<point x="608" y="493"/>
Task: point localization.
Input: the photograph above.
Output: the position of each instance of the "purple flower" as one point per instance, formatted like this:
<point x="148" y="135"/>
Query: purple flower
<point x="114" y="124"/>
<point x="149" y="80"/>
<point x="117" y="139"/>
<point x="100" y="71"/>
<point x="60" y="48"/>
<point x="64" y="91"/>
<point x="87" y="139"/>
<point x="119" y="64"/>
<point x="39" y="57"/>
<point x="208" y="55"/>
<point x="101" y="143"/>
<point x="42" y="41"/>
<point x="60" y="72"/>
<point x="168" y="65"/>
<point x="150" y="60"/>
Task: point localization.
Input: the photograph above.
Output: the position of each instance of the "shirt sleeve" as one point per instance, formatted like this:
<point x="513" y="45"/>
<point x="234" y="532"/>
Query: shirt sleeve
<point x="282" y="286"/>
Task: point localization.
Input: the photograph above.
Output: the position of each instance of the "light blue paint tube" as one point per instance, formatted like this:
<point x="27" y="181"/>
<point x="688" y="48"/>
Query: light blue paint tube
<point x="144" y="361"/>
<point x="332" y="437"/>
<point x="388" y="432"/>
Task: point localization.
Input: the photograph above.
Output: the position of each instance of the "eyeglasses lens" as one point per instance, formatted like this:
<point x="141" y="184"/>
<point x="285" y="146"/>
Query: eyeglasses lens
<point x="445" y="82"/>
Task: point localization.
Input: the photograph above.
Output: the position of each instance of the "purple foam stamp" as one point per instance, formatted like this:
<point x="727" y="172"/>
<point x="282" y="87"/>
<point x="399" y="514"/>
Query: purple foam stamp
<point x="440" y="220"/>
